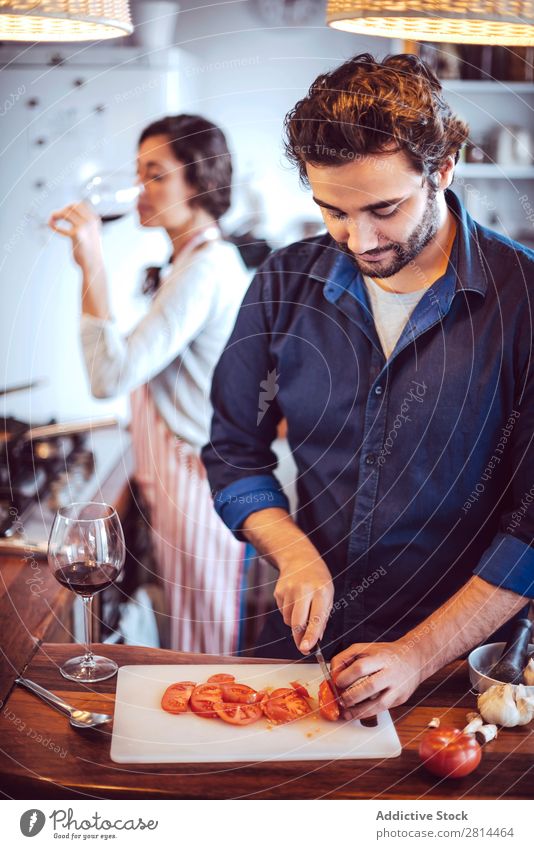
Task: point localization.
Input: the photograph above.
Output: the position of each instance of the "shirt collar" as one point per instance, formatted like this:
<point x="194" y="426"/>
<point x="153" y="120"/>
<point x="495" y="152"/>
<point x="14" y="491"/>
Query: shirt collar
<point x="465" y="272"/>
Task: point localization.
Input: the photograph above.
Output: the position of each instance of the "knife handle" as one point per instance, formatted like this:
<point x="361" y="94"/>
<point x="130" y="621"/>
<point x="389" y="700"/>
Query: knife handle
<point x="369" y="722"/>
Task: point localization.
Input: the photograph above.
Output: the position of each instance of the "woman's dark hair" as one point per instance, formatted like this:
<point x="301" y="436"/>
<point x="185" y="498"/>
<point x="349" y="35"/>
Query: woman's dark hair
<point x="202" y="148"/>
<point x="365" y="106"/>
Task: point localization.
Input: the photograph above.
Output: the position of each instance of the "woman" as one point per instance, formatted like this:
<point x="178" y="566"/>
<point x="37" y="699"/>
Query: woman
<point x="184" y="169"/>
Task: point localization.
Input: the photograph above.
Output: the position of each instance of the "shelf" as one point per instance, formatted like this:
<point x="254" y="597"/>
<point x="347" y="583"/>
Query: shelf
<point x="488" y="86"/>
<point x="91" y="54"/>
<point x="495" y="172"/>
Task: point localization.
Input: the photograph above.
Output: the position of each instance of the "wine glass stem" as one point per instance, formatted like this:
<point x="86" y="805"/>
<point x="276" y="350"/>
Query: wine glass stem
<point x="88" y="659"/>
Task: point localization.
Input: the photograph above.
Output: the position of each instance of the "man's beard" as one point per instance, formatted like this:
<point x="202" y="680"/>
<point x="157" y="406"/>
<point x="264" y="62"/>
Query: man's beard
<point x="404" y="252"/>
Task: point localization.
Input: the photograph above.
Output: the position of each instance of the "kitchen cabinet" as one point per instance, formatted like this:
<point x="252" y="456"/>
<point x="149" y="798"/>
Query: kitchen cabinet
<point x="496" y="192"/>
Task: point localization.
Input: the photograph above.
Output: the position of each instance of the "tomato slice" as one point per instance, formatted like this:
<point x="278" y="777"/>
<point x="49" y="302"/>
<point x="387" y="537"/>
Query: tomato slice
<point x="176" y="697"/>
<point x="221" y="678"/>
<point x="239" y="693"/>
<point x="300" y="689"/>
<point x="285" y="705"/>
<point x="203" y="699"/>
<point x="328" y="706"/>
<point x="237" y="714"/>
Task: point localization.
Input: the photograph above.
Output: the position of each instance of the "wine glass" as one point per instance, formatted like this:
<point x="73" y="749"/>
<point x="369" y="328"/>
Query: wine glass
<point x="86" y="553"/>
<point x="112" y="195"/>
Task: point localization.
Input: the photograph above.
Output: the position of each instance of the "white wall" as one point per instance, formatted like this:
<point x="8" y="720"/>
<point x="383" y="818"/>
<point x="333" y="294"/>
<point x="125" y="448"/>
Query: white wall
<point x="236" y="71"/>
<point x="248" y="76"/>
<point x="84" y="130"/>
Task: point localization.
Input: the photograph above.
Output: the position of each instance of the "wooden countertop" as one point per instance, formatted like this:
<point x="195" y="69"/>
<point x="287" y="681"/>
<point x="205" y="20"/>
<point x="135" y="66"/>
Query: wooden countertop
<point x="42" y="757"/>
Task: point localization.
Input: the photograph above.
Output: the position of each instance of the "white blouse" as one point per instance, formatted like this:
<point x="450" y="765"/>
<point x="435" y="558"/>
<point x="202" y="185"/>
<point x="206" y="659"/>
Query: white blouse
<point x="176" y="345"/>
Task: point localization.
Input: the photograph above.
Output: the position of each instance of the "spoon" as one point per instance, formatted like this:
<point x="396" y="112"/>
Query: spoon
<point x="78" y="718"/>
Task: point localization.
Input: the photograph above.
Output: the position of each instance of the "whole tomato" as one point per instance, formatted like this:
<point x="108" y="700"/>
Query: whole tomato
<point x="449" y="753"/>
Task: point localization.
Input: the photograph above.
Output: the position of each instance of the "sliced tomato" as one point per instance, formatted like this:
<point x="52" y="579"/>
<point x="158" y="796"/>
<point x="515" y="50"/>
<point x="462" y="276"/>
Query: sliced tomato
<point x="274" y="698"/>
<point x="236" y="714"/>
<point x="285" y="705"/>
<point x="328" y="706"/>
<point x="221" y="678"/>
<point x="239" y="693"/>
<point x="300" y="689"/>
<point x="203" y="699"/>
<point x="176" y="697"/>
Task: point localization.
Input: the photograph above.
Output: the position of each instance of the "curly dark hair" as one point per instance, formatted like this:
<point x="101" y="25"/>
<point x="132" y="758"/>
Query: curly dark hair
<point x="202" y="148"/>
<point x="365" y="106"/>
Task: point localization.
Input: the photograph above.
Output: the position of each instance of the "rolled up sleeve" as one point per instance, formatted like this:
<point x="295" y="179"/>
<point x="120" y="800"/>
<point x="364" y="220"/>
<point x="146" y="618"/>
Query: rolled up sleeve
<point x="508" y="563"/>
<point x="104" y="352"/>
<point x="248" y="495"/>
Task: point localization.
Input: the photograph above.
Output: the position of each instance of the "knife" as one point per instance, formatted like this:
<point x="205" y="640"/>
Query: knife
<point x="325" y="669"/>
<point x="368" y="722"/>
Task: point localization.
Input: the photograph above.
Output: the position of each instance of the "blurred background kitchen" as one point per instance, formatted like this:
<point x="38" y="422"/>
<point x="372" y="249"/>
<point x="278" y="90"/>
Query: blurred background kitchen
<point x="69" y="111"/>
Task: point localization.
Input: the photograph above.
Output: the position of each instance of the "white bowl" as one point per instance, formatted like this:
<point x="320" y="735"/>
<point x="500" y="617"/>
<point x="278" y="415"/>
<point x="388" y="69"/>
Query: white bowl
<point x="481" y="661"/>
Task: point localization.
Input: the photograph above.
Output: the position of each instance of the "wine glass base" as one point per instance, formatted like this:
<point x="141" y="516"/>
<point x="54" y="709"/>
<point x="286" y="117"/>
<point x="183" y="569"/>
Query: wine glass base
<point x="101" y="668"/>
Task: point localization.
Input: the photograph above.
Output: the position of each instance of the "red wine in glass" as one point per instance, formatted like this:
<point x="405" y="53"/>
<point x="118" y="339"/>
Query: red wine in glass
<point x="86" y="578"/>
<point x="86" y="553"/>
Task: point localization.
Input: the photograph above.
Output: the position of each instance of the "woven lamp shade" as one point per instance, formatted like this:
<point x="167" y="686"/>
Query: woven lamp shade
<point x="64" y="20"/>
<point x="452" y="21"/>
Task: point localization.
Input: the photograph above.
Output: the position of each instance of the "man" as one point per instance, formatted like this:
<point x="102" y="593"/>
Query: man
<point x="398" y="347"/>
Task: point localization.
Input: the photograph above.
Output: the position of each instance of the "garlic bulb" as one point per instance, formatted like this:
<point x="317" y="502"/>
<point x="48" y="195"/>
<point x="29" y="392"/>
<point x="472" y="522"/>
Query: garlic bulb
<point x="501" y="705"/>
<point x="525" y="704"/>
<point x="528" y="673"/>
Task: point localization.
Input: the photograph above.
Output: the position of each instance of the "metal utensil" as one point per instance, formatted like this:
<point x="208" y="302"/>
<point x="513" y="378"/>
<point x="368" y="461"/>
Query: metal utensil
<point x="325" y="669"/>
<point x="23" y="387"/>
<point x="21" y="432"/>
<point x="78" y="718"/>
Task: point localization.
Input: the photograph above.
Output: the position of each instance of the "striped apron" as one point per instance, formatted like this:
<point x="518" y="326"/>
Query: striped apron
<point x="200" y="562"/>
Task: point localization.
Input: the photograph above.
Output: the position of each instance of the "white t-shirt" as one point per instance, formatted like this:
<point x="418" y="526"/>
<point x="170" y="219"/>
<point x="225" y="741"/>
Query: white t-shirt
<point x="176" y="345"/>
<point x="391" y="312"/>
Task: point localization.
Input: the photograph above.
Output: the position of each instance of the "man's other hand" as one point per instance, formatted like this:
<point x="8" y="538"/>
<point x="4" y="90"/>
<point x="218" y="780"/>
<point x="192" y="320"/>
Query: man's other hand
<point x="372" y="677"/>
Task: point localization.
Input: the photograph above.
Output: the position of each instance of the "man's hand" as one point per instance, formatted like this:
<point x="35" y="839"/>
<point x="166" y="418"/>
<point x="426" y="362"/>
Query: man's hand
<point x="304" y="594"/>
<point x="373" y="677"/>
<point x="304" y="591"/>
<point x="84" y="232"/>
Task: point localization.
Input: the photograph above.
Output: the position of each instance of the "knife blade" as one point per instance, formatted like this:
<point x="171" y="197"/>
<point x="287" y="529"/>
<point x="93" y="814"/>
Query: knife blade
<point x="325" y="669"/>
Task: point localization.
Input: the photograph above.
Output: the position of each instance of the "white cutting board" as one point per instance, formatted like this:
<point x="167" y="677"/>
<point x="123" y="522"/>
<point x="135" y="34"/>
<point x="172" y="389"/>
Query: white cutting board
<point x="144" y="733"/>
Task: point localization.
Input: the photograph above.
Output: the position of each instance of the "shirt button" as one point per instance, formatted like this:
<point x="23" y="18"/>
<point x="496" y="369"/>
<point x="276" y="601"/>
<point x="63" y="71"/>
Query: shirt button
<point x="378" y="390"/>
<point x="370" y="459"/>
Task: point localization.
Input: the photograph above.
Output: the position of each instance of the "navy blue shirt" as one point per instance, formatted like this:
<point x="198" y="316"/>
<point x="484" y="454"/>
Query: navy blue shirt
<point x="413" y="473"/>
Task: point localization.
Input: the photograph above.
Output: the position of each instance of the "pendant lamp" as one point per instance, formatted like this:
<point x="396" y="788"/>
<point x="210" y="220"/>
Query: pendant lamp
<point x="506" y="22"/>
<point x="64" y="20"/>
